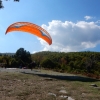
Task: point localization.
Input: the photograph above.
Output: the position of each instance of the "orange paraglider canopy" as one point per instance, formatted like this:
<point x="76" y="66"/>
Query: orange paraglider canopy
<point x="30" y="28"/>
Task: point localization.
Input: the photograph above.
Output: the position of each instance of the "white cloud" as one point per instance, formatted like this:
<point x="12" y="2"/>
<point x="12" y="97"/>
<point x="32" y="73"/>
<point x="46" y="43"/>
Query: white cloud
<point x="69" y="36"/>
<point x="98" y="22"/>
<point x="88" y="17"/>
<point x="33" y="52"/>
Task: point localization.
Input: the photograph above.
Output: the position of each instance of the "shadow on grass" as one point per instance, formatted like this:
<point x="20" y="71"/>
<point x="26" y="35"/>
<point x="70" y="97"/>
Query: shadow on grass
<point x="65" y="77"/>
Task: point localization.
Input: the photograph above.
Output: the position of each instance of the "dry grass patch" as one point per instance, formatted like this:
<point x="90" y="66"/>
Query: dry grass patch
<point x="18" y="86"/>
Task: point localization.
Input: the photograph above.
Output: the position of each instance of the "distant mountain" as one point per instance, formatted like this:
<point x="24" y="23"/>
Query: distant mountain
<point x="9" y="54"/>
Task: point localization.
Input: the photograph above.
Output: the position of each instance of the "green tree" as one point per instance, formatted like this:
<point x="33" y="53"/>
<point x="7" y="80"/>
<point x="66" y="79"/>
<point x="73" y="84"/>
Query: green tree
<point x="48" y="63"/>
<point x="13" y="62"/>
<point x="1" y="3"/>
<point x="23" y="56"/>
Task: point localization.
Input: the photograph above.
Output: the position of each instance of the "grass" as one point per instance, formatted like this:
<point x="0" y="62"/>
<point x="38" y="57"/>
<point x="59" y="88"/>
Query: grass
<point x="21" y="86"/>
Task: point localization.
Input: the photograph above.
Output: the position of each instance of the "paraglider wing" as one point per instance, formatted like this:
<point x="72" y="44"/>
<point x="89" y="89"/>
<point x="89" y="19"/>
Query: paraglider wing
<point x="30" y="28"/>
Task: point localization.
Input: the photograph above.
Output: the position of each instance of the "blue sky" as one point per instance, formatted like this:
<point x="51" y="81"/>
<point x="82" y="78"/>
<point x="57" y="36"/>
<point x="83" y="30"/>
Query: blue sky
<point x="74" y="25"/>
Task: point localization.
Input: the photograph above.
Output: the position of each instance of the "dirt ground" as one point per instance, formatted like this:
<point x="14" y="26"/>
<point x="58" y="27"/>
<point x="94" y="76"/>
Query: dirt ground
<point x="22" y="85"/>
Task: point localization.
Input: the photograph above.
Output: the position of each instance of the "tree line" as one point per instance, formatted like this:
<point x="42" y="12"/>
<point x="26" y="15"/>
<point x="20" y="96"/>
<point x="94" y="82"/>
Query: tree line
<point x="20" y="58"/>
<point x="86" y="62"/>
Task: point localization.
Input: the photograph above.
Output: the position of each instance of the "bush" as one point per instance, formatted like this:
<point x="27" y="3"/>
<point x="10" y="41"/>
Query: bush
<point x="47" y="63"/>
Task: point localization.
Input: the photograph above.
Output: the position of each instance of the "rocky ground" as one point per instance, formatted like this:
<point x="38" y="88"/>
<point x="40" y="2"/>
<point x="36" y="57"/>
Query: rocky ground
<point x="24" y="84"/>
